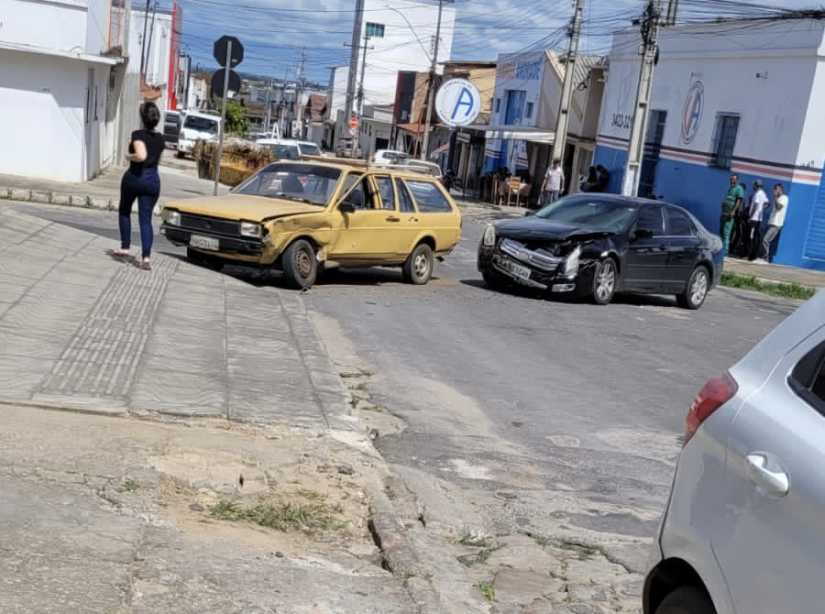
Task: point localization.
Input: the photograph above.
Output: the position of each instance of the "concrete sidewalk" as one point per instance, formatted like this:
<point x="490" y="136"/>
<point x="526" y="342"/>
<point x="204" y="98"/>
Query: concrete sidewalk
<point x="177" y="179"/>
<point x="776" y="273"/>
<point x="81" y="330"/>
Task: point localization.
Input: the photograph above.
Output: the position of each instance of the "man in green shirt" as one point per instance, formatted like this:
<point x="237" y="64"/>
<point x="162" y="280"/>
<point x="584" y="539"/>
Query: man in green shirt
<point x="732" y="203"/>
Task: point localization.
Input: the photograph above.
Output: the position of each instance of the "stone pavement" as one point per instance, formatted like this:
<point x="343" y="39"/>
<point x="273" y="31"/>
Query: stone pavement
<point x="776" y="273"/>
<point x="81" y="330"/>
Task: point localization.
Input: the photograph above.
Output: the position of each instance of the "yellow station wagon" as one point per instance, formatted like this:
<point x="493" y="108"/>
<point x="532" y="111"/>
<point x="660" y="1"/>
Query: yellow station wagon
<point x="300" y="217"/>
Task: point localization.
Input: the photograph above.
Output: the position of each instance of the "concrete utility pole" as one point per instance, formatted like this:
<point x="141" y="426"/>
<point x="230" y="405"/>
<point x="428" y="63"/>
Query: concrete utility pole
<point x="363" y="73"/>
<point x="563" y="119"/>
<point x="268" y="120"/>
<point x="672" y="12"/>
<point x="425" y="148"/>
<point x="638" y="131"/>
<point x="299" y="91"/>
<point x="353" y="62"/>
<point x="143" y="40"/>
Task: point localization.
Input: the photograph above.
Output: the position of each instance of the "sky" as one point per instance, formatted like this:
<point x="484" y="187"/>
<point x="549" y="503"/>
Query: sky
<point x="279" y="34"/>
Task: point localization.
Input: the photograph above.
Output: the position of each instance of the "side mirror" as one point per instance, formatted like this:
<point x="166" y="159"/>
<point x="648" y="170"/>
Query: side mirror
<point x="346" y="207"/>
<point x="641" y="233"/>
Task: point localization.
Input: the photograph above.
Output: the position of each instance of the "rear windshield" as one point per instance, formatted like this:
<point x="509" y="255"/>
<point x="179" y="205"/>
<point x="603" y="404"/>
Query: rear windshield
<point x="201" y="124"/>
<point x="284" y="152"/>
<point x="310" y="149"/>
<point x="299" y="182"/>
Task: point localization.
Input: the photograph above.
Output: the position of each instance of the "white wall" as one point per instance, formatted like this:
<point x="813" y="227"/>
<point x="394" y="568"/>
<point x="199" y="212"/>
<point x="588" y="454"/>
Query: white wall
<point x="521" y="72"/>
<point x="97" y="26"/>
<point x="409" y="34"/>
<point x="60" y="24"/>
<point x="157" y="64"/>
<point x="46" y="97"/>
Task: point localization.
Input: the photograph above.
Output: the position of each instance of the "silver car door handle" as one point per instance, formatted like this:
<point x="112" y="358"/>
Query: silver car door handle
<point x="774" y="482"/>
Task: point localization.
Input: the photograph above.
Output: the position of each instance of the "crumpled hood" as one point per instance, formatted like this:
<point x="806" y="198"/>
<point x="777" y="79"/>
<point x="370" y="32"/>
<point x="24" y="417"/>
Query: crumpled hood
<point x="243" y="207"/>
<point x="534" y="228"/>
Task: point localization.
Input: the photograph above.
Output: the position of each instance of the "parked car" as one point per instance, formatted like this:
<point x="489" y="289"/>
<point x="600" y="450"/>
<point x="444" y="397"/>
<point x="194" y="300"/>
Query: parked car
<point x="197" y="126"/>
<point x="389" y="156"/>
<point x="171" y="127"/>
<point x="298" y="217"/>
<point x="598" y="244"/>
<point x="289" y="149"/>
<point x="743" y="530"/>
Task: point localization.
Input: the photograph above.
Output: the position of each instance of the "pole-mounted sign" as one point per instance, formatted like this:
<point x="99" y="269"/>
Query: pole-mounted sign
<point x="458" y="103"/>
<point x="228" y="52"/>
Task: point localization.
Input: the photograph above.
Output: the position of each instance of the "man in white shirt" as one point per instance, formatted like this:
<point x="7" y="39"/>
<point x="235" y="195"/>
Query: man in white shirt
<point x="756" y="212"/>
<point x="776" y="221"/>
<point x="553" y="183"/>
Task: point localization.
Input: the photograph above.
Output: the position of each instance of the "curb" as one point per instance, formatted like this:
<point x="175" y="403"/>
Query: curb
<point x="57" y="198"/>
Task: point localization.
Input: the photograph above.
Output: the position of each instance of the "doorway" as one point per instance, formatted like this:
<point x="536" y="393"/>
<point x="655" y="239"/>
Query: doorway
<point x="653" y="149"/>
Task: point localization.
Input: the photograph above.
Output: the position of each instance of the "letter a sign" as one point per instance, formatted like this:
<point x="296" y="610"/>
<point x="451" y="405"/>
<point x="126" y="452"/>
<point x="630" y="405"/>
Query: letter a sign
<point x="458" y="103"/>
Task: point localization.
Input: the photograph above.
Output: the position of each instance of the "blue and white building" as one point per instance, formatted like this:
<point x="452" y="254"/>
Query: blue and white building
<point x="738" y="97"/>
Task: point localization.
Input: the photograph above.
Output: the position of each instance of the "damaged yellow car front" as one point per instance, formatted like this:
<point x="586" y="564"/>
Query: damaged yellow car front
<point x="301" y="216"/>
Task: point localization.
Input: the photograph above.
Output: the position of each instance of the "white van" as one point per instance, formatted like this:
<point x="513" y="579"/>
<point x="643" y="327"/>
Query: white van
<point x="196" y="127"/>
<point x="289" y="149"/>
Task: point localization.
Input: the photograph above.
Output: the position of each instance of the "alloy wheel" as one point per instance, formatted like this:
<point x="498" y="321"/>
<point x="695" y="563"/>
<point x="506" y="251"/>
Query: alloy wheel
<point x="699" y="287"/>
<point x="303" y="262"/>
<point x="606" y="280"/>
<point x="421" y="266"/>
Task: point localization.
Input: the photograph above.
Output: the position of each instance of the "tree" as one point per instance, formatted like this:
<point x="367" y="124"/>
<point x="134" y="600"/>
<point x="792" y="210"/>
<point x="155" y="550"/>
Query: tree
<point x="236" y="122"/>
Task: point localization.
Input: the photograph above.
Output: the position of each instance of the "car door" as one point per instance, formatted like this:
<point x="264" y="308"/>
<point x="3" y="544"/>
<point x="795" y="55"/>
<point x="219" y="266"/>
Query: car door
<point x="369" y="232"/>
<point x="646" y="259"/>
<point x="770" y="541"/>
<point x="436" y="214"/>
<point x="683" y="247"/>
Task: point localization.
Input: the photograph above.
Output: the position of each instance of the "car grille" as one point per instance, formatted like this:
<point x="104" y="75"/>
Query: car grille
<point x="520" y="252"/>
<point x="210" y="224"/>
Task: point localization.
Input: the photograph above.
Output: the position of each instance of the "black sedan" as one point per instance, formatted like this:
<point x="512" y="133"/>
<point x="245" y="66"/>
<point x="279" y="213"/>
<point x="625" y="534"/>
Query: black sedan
<point x="595" y="245"/>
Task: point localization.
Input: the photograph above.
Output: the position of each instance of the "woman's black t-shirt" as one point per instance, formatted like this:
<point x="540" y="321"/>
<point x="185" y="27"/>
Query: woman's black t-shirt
<point x="154" y="148"/>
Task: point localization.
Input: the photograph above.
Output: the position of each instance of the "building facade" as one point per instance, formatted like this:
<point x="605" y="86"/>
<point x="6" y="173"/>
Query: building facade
<point x="738" y="97"/>
<point x="61" y="83"/>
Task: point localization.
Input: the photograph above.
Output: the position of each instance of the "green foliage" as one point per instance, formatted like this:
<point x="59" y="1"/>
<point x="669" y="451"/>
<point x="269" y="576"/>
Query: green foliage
<point x="488" y="591"/>
<point x="236" y="122"/>
<point x="784" y="290"/>
<point x="280" y="516"/>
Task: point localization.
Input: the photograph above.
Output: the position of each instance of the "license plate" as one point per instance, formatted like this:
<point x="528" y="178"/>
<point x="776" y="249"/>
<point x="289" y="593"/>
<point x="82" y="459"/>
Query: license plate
<point x="517" y="270"/>
<point x="199" y="242"/>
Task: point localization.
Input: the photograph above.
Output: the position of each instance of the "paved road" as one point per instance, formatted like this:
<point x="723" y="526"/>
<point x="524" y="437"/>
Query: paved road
<point x="531" y="416"/>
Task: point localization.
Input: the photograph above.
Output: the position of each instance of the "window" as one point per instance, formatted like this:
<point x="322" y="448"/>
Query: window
<point x="529" y="112"/>
<point x="375" y="30"/>
<point x="358" y="197"/>
<point x="428" y="197"/>
<point x="386" y="191"/>
<point x="498" y="105"/>
<point x="404" y="198"/>
<point x="679" y="224"/>
<point x="725" y="140"/>
<point x="515" y="106"/>
<point x="808" y="378"/>
<point x="651" y="218"/>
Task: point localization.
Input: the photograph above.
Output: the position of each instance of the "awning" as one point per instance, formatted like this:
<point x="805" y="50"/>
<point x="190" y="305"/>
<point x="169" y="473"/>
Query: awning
<point x="440" y="150"/>
<point x="544" y="137"/>
<point x="416" y="128"/>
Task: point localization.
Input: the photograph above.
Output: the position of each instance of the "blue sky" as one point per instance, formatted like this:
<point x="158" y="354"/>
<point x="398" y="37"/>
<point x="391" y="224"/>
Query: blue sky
<point x="275" y="32"/>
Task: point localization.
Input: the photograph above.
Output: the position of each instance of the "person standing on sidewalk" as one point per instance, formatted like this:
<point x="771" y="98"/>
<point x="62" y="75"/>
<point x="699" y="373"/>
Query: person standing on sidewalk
<point x="553" y="183"/>
<point x="756" y="212"/>
<point x="731" y="204"/>
<point x="775" y="223"/>
<point x="142" y="182"/>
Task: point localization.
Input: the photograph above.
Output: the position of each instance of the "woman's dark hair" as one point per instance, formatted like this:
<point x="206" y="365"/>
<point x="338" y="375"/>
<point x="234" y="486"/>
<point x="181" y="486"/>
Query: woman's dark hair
<point x="150" y="115"/>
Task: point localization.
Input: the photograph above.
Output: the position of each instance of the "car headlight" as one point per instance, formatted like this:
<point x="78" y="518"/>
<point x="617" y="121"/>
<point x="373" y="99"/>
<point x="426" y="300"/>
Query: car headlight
<point x="171" y="217"/>
<point x="571" y="265"/>
<point x="251" y="229"/>
<point x="489" y="238"/>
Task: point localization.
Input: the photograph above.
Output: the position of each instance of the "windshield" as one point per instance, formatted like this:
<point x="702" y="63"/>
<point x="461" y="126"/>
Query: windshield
<point x="310" y="149"/>
<point x="300" y="182"/>
<point x="201" y="124"/>
<point x="284" y="152"/>
<point x="604" y="215"/>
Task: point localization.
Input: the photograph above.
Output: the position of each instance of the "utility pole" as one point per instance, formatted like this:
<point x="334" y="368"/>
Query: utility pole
<point x="563" y="119"/>
<point x="638" y="131"/>
<point x="151" y="32"/>
<point x="672" y="12"/>
<point x="431" y="89"/>
<point x="363" y="73"/>
<point x="143" y="40"/>
<point x="269" y="108"/>
<point x="299" y="91"/>
<point x="353" y="63"/>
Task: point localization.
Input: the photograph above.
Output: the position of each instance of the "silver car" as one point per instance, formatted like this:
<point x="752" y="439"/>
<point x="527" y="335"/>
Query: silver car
<point x="744" y="530"/>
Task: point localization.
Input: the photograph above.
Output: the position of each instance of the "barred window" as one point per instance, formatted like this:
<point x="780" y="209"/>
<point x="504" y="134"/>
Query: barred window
<point x="725" y="140"/>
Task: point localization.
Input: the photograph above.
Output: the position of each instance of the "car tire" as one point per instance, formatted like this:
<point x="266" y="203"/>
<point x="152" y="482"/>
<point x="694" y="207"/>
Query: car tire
<point x="198" y="259"/>
<point x="696" y="289"/>
<point x="686" y="600"/>
<point x="418" y="269"/>
<point x="300" y="265"/>
<point x="492" y="280"/>
<point x="605" y="280"/>
<point x="180" y="155"/>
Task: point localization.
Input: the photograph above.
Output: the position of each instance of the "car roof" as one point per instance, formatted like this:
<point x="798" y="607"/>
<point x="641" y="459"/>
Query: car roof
<point x="217" y="118"/>
<point x="357" y="165"/>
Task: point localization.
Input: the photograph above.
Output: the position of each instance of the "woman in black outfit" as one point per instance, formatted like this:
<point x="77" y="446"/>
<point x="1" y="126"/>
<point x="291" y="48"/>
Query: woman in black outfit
<point x="142" y="182"/>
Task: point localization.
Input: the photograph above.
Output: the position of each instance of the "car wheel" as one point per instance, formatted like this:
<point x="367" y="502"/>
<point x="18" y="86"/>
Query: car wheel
<point x="180" y="154"/>
<point x="418" y="269"/>
<point x="492" y="280"/>
<point x="696" y="290"/>
<point x="686" y="600"/>
<point x="300" y="265"/>
<point x="199" y="259"/>
<point x="605" y="278"/>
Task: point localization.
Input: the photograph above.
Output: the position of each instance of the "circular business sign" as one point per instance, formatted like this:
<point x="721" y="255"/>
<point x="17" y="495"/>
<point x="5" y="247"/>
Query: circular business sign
<point x="458" y="103"/>
<point x="692" y="111"/>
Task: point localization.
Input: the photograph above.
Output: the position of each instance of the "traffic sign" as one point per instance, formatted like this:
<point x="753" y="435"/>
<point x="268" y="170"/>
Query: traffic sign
<point x="458" y="103"/>
<point x="218" y="80"/>
<point x="222" y="46"/>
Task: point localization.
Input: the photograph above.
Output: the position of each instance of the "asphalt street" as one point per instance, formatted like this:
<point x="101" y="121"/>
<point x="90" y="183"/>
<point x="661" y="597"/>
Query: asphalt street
<point x="548" y="413"/>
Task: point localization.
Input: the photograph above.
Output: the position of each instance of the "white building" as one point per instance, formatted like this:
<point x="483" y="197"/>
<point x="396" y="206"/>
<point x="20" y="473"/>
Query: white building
<point x="60" y="87"/>
<point x="742" y="98"/>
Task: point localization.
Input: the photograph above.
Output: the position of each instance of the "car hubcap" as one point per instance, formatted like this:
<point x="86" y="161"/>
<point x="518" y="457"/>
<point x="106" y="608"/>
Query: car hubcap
<point x="699" y="288"/>
<point x="605" y="281"/>
<point x="421" y="266"/>
<point x="303" y="263"/>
